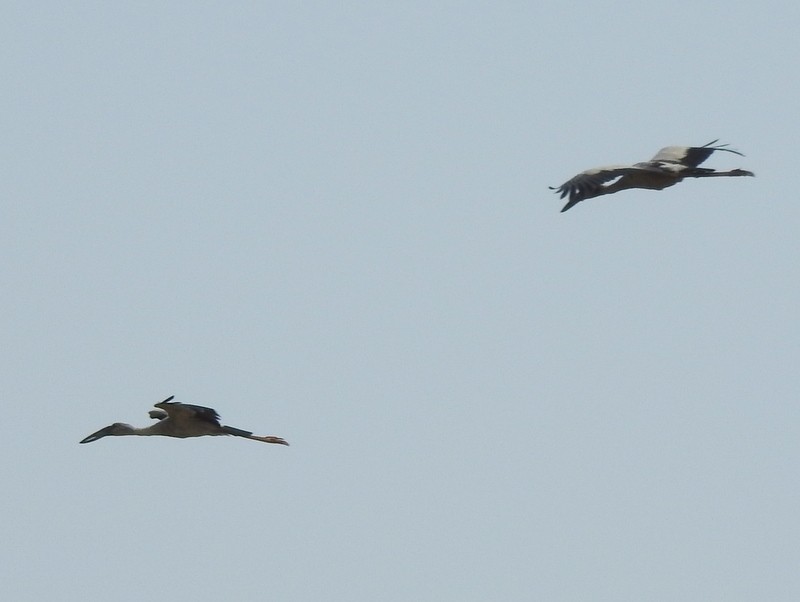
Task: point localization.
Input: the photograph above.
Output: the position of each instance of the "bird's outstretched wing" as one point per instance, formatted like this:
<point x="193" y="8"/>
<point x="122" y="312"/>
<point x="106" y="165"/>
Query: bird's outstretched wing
<point x="690" y="156"/>
<point x="591" y="183"/>
<point x="186" y="410"/>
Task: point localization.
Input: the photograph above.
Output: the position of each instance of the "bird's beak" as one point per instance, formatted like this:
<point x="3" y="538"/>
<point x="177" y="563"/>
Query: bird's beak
<point x="98" y="435"/>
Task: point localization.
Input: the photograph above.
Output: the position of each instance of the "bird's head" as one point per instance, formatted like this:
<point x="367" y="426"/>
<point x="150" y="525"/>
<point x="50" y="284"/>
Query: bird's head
<point x="118" y="428"/>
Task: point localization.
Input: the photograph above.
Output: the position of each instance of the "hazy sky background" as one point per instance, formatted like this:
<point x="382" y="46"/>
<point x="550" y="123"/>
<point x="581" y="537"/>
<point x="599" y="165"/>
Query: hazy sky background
<point x="331" y="222"/>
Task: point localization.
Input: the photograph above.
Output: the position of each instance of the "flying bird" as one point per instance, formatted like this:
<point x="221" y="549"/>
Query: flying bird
<point x="180" y="420"/>
<point x="670" y="165"/>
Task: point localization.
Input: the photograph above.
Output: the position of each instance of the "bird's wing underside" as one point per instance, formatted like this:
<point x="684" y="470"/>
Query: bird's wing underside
<point x="590" y="182"/>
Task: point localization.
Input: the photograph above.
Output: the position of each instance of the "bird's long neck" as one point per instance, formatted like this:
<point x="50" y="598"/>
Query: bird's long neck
<point x="144" y="431"/>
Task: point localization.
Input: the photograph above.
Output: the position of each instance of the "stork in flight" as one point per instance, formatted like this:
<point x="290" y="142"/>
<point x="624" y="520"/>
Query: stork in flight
<point x="180" y="420"/>
<point x="670" y="165"/>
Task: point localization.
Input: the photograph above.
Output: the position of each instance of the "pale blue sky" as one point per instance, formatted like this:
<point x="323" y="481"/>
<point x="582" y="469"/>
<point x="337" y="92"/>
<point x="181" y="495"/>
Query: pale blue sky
<point x="332" y="223"/>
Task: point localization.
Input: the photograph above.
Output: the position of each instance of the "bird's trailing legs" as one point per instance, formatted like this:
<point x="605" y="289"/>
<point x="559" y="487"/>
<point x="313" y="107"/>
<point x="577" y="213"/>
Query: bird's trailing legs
<point x="230" y="430"/>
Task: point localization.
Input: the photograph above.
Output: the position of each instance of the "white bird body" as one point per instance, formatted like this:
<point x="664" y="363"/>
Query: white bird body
<point x="180" y="420"/>
<point x="668" y="167"/>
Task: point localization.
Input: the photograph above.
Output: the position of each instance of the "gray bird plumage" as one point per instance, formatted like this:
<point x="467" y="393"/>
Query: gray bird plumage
<point x="181" y="420"/>
<point x="668" y="167"/>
